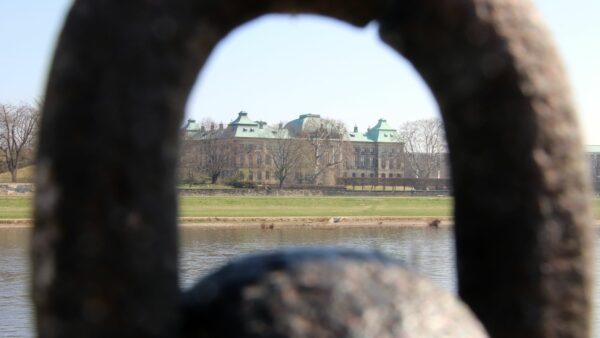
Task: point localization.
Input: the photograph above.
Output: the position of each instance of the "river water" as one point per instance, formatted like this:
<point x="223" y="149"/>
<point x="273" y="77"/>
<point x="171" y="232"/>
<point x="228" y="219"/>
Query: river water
<point x="427" y="251"/>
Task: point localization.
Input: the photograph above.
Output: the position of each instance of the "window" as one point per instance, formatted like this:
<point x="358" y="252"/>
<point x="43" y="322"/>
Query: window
<point x="250" y="176"/>
<point x="362" y="175"/>
<point x="259" y="175"/>
<point x="353" y="174"/>
<point x="267" y="175"/>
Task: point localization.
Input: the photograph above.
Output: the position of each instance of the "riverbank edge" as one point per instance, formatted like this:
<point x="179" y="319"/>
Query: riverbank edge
<point x="289" y="222"/>
<point x="316" y="222"/>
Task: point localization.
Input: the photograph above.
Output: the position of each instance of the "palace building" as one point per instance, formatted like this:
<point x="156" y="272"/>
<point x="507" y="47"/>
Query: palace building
<point x="251" y="150"/>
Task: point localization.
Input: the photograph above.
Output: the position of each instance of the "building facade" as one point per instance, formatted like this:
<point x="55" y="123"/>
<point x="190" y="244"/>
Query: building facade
<point x="249" y="150"/>
<point x="245" y="150"/>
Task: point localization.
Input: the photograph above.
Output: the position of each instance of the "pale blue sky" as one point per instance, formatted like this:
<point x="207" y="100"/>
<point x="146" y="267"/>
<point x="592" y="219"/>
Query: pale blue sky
<point x="280" y="66"/>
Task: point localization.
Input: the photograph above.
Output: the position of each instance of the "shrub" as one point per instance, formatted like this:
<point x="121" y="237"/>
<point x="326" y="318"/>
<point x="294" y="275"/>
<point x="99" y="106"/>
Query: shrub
<point x="244" y="184"/>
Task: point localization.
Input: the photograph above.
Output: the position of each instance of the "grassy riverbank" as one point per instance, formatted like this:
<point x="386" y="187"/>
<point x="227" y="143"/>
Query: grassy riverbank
<point x="194" y="206"/>
<point x="18" y="207"/>
<point x="13" y="207"/>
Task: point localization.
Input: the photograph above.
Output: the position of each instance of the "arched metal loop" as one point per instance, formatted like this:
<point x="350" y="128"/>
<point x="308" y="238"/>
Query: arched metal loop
<point x="105" y="247"/>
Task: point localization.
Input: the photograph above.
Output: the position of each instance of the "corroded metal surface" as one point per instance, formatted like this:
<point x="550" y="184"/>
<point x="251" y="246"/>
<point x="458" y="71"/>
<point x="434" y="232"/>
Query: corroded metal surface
<point x="523" y="225"/>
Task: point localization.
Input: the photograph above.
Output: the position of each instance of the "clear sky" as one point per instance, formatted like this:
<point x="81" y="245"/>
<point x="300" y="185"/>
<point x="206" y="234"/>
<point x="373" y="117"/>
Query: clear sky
<point x="278" y="67"/>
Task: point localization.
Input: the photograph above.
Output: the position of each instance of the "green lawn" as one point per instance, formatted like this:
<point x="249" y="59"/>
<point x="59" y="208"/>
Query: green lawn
<point x="15" y="207"/>
<point x="250" y="206"/>
<point x="203" y="186"/>
<point x="313" y="206"/>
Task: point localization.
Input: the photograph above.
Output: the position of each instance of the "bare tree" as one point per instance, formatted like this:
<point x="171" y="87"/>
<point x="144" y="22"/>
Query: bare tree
<point x="204" y="151"/>
<point x="214" y="152"/>
<point x="326" y="147"/>
<point x="18" y="125"/>
<point x="287" y="154"/>
<point x="424" y="146"/>
<point x="189" y="160"/>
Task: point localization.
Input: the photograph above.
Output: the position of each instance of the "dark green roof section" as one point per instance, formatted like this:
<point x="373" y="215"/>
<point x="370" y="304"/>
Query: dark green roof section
<point x="258" y="132"/>
<point x="244" y="127"/>
<point x="382" y="132"/>
<point x="191" y="125"/>
<point x="358" y="137"/>
<point x="243" y="120"/>
<point x="383" y="125"/>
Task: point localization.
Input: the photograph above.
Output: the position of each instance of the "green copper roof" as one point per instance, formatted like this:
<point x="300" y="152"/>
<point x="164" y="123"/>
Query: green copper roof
<point x="382" y="132"/>
<point x="244" y="127"/>
<point x="358" y="137"/>
<point x="191" y="125"/>
<point x="258" y="132"/>
<point x="383" y="125"/>
<point x="304" y="123"/>
<point x="243" y="120"/>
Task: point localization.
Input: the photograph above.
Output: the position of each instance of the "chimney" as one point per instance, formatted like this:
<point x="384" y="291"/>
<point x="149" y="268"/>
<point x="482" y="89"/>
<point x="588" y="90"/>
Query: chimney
<point x="202" y="128"/>
<point x="280" y="125"/>
<point x="221" y="126"/>
<point x="212" y="127"/>
<point x="355" y="128"/>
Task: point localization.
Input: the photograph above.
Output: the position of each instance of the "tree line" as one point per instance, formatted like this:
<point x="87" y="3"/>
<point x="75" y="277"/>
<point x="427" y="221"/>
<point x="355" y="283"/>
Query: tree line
<point x="317" y="154"/>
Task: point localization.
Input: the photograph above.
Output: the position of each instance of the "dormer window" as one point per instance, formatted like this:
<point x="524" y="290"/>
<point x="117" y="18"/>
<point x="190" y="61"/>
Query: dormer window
<point x="244" y="129"/>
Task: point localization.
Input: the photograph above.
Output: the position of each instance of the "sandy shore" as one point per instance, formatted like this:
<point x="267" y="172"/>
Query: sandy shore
<point x="292" y="222"/>
<point x="314" y="222"/>
<point x="287" y="222"/>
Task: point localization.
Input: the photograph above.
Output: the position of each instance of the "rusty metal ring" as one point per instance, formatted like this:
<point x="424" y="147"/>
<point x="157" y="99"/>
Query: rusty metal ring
<point x="104" y="245"/>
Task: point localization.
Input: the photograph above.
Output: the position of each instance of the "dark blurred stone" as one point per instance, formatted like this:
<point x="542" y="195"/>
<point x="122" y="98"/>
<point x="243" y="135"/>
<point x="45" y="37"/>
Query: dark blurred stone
<point x="323" y="293"/>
